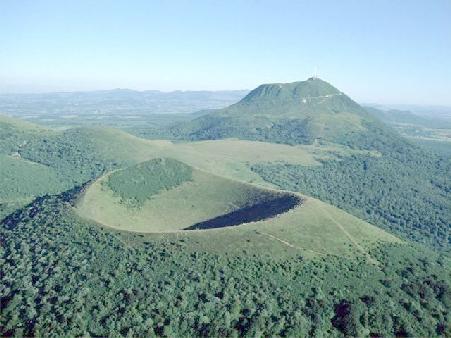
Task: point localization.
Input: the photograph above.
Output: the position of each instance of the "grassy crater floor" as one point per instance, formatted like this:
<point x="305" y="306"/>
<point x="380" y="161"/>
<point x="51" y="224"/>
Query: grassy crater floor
<point x="173" y="196"/>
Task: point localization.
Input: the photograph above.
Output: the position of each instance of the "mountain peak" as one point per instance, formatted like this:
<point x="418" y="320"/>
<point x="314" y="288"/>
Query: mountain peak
<point x="292" y="113"/>
<point x="311" y="88"/>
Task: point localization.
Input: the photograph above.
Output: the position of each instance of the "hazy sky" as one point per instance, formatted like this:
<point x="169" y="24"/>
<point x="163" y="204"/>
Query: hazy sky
<point x="374" y="50"/>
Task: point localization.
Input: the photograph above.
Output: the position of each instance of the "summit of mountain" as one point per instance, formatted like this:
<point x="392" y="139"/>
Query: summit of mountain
<point x="302" y="112"/>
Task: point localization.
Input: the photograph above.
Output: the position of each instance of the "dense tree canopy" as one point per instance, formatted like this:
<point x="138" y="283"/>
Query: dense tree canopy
<point x="63" y="276"/>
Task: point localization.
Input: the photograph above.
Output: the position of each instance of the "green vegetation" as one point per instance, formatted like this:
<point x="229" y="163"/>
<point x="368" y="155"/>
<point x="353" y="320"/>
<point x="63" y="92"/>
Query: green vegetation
<point x="22" y="180"/>
<point x="409" y="197"/>
<point x="138" y="183"/>
<point x="62" y="276"/>
<point x="37" y="161"/>
<point x="164" y="195"/>
<point x="68" y="269"/>
<point x="75" y="156"/>
<point x="441" y="148"/>
<point x="292" y="113"/>
<point x="35" y="179"/>
<point x="399" y="118"/>
<point x="231" y="158"/>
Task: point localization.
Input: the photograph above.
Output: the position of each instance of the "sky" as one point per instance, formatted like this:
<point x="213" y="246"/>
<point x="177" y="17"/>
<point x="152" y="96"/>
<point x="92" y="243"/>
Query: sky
<point x="378" y="51"/>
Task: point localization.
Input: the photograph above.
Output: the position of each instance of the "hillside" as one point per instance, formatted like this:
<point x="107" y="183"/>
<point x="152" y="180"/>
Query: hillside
<point x="430" y="132"/>
<point x="36" y="161"/>
<point x="165" y="195"/>
<point x="292" y="113"/>
<point x="411" y="199"/>
<point x="310" y="269"/>
<point x="314" y="112"/>
<point x="74" y="156"/>
<point x="419" y="209"/>
<point x="301" y="279"/>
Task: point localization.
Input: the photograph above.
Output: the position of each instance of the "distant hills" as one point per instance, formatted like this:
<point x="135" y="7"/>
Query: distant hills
<point x="407" y="117"/>
<point x="116" y="102"/>
<point x="427" y="111"/>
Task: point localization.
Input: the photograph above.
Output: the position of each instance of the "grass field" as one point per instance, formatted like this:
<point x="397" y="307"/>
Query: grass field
<point x="20" y="124"/>
<point x="314" y="228"/>
<point x="229" y="158"/>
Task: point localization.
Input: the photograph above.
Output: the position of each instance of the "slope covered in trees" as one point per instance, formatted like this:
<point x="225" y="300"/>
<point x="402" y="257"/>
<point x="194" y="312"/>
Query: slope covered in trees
<point x="63" y="276"/>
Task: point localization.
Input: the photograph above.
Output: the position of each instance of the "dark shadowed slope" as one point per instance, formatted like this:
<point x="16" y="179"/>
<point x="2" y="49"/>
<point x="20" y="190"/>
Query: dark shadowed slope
<point x="254" y="213"/>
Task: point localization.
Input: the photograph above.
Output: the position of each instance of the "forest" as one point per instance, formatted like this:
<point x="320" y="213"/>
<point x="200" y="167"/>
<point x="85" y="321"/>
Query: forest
<point x="64" y="276"/>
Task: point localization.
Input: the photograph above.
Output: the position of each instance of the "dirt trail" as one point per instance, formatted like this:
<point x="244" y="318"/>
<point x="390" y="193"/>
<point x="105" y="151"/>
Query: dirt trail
<point x="323" y="96"/>
<point x="289" y="244"/>
<point x="347" y="234"/>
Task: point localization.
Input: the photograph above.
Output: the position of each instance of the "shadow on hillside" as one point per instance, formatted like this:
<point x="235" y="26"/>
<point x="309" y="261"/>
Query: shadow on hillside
<point x="257" y="212"/>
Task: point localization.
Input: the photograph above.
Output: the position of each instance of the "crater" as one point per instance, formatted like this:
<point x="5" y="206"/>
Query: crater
<point x="164" y="195"/>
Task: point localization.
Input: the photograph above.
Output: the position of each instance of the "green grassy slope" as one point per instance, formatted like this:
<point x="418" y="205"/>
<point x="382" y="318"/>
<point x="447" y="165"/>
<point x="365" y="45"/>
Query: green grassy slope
<point x="232" y="158"/>
<point x="86" y="150"/>
<point x="313" y="230"/>
<point x="16" y="133"/>
<point x="137" y="184"/>
<point x="22" y="180"/>
<point x="37" y="161"/>
<point x="80" y="155"/>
